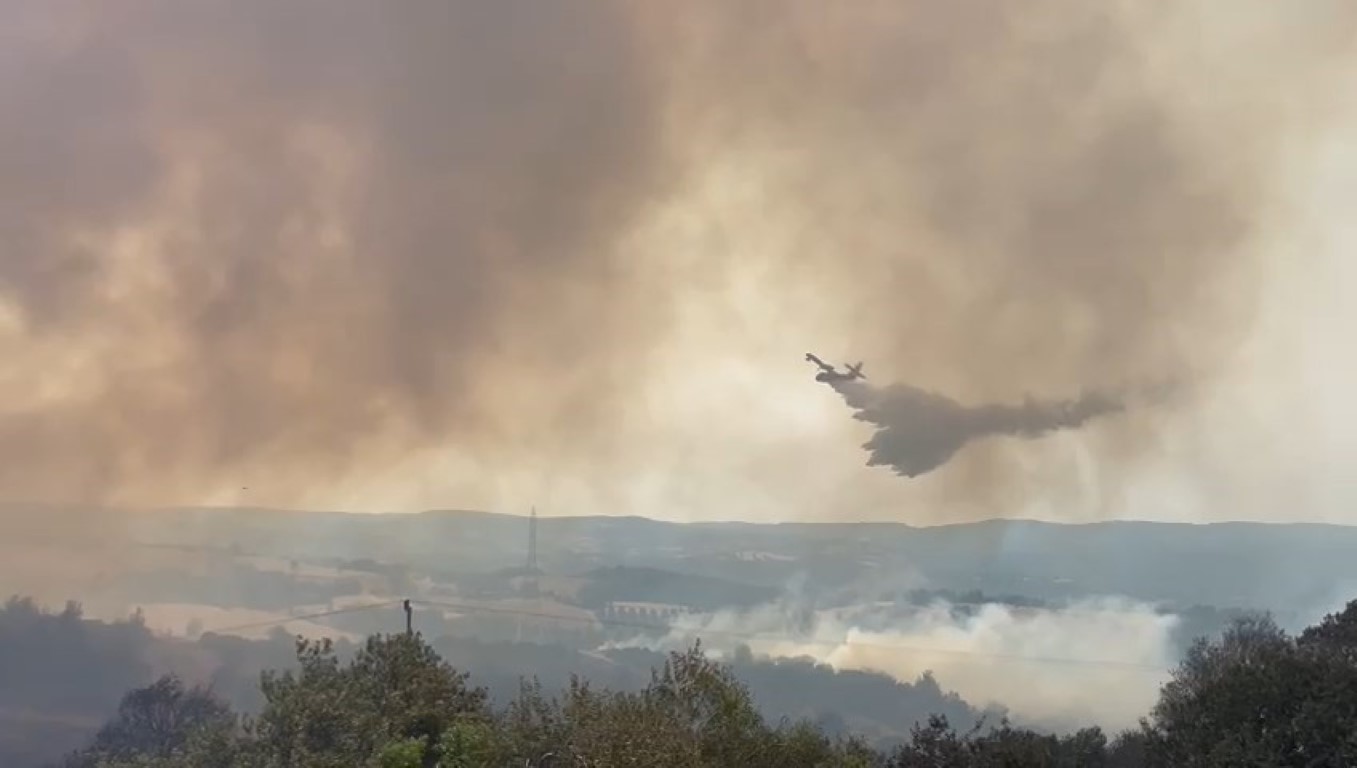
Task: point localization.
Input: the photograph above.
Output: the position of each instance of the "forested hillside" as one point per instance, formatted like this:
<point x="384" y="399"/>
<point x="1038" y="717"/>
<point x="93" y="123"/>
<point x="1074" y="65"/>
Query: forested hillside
<point x="63" y="674"/>
<point x="1255" y="697"/>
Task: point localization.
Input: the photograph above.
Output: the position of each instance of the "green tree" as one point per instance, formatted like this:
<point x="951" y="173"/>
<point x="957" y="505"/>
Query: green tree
<point x="395" y="689"/>
<point x="1252" y="697"/>
<point x="468" y="744"/>
<point x="1129" y="750"/>
<point x="1230" y="700"/>
<point x="705" y="701"/>
<point x="1260" y="697"/>
<point x="932" y="745"/>
<point x="1334" y="635"/>
<point x="406" y="753"/>
<point x="160" y="721"/>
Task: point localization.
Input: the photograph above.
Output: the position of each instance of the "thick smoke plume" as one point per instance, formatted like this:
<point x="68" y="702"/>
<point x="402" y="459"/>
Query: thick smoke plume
<point x="273" y="244"/>
<point x="1094" y="662"/>
<point x="277" y="244"/>
<point x="919" y="431"/>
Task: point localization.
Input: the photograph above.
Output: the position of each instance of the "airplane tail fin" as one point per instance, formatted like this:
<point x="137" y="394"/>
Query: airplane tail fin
<point x="856" y="370"/>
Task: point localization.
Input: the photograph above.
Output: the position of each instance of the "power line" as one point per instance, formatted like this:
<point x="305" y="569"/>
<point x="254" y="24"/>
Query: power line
<point x="305" y="617"/>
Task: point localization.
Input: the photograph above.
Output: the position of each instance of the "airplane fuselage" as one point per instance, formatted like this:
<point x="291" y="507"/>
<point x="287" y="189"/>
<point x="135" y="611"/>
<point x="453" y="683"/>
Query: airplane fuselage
<point x="829" y="373"/>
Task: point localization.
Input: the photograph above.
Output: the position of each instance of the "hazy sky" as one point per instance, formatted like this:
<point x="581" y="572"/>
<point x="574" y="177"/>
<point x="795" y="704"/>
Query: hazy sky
<point x="494" y="254"/>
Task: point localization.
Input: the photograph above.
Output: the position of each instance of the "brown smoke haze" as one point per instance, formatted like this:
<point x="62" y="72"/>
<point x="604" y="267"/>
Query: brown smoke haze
<point x="315" y="248"/>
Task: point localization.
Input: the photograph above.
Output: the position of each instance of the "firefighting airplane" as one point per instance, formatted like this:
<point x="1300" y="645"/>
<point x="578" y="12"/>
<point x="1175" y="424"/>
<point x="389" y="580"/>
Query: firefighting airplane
<point x="829" y="374"/>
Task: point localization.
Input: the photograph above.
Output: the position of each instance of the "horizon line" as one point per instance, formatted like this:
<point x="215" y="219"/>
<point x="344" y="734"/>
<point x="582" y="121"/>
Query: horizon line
<point x="287" y="510"/>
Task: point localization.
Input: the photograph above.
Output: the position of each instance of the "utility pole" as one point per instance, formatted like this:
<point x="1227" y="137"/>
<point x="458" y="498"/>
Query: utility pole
<point x="409" y="619"/>
<point x="532" y="543"/>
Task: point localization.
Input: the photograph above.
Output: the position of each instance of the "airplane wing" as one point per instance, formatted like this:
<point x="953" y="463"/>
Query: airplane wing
<point x="823" y="365"/>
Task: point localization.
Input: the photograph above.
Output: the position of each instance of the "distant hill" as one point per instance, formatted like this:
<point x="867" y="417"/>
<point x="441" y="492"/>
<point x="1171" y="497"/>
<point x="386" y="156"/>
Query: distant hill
<point x="1228" y="564"/>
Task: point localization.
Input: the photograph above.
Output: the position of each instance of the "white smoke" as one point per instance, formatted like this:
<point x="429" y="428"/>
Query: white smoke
<point x="1095" y="662"/>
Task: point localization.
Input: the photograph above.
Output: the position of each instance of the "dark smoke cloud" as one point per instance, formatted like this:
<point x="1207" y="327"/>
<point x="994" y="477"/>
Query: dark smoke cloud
<point x="283" y="242"/>
<point x="289" y="238"/>
<point x="918" y="431"/>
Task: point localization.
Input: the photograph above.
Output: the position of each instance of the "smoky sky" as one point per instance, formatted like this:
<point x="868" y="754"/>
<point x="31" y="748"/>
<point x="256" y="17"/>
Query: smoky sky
<point x="286" y="241"/>
<point x="347" y="223"/>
